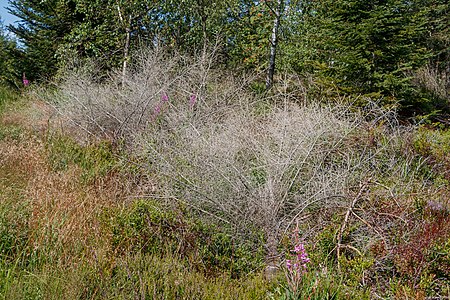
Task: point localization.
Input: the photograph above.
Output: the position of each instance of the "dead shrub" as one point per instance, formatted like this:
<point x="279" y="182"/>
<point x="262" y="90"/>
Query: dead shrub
<point x="254" y="163"/>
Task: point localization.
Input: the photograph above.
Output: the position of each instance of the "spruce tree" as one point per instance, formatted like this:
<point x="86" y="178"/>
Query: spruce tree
<point x="371" y="47"/>
<point x="10" y="69"/>
<point x="41" y="29"/>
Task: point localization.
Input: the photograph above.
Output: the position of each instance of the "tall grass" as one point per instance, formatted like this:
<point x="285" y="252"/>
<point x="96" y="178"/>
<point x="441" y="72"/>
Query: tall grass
<point x="62" y="236"/>
<point x="7" y="96"/>
<point x="435" y="83"/>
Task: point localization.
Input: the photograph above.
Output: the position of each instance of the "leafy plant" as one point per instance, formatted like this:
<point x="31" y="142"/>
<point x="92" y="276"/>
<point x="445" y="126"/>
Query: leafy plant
<point x="148" y="228"/>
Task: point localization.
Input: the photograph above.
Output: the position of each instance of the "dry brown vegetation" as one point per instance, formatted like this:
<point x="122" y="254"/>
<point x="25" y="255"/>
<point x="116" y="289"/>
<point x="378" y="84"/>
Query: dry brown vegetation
<point x="60" y="225"/>
<point x="63" y="210"/>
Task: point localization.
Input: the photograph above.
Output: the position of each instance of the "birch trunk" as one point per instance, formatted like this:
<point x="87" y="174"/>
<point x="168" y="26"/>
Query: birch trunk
<point x="274" y="44"/>
<point x="126" y="47"/>
<point x="126" y="51"/>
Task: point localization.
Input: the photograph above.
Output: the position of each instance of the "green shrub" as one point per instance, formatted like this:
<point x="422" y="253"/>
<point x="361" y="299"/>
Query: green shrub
<point x="145" y="227"/>
<point x="434" y="146"/>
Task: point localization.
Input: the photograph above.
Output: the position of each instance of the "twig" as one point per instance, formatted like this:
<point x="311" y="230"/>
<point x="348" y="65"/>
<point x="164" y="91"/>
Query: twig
<point x="344" y="224"/>
<point x="389" y="190"/>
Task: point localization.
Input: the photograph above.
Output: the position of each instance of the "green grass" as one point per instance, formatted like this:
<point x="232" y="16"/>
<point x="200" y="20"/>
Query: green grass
<point x="14" y="230"/>
<point x="95" y="160"/>
<point x="164" y="272"/>
<point x="131" y="277"/>
<point x="7" y="97"/>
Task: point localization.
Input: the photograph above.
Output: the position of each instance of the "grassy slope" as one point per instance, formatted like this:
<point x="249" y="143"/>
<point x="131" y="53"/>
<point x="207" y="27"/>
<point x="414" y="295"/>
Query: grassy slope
<point x="67" y="231"/>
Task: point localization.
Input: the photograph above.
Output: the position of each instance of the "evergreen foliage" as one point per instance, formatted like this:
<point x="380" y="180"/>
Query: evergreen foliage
<point x="372" y="48"/>
<point x="8" y="65"/>
<point x="42" y="28"/>
<point x="393" y="50"/>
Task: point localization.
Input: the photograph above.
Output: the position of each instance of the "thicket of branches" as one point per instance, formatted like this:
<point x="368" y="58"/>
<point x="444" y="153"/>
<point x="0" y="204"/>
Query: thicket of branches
<point x="256" y="164"/>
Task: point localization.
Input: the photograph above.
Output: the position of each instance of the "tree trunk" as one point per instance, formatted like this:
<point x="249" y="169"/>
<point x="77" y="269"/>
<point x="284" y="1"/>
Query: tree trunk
<point x="205" y="36"/>
<point x="126" y="47"/>
<point x="274" y="44"/>
<point x="272" y="256"/>
<point x="126" y="51"/>
<point x="201" y="6"/>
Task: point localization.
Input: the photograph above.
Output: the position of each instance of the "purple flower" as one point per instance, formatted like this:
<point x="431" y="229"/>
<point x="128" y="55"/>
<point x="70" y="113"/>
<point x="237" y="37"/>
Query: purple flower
<point x="300" y="263"/>
<point x="157" y="110"/>
<point x="297" y="265"/>
<point x="288" y="264"/>
<point x="25" y="80"/>
<point x="299" y="248"/>
<point x="164" y="97"/>
<point x="192" y="100"/>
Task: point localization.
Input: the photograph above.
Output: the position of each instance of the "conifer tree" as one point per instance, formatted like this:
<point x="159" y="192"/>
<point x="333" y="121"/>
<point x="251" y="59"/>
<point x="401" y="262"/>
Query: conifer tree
<point x="41" y="29"/>
<point x="371" y="47"/>
<point x="9" y="64"/>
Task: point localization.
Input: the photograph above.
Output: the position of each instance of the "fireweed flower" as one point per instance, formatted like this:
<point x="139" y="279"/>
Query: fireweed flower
<point x="192" y="100"/>
<point x="157" y="110"/>
<point x="297" y="266"/>
<point x="288" y="264"/>
<point x="301" y="259"/>
<point x="25" y="81"/>
<point x="158" y="107"/>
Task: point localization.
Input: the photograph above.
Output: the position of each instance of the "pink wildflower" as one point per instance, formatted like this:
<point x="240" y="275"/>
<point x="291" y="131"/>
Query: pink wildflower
<point x="157" y="109"/>
<point x="299" y="248"/>
<point x="288" y="264"/>
<point x="25" y="81"/>
<point x="192" y="100"/>
<point x="297" y="266"/>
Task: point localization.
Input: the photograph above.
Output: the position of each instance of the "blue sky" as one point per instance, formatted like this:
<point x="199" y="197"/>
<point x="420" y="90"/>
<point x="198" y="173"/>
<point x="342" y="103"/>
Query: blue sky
<point x="6" y="17"/>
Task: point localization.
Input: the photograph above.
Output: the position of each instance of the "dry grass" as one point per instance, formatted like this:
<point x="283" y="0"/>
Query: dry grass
<point x="68" y="251"/>
<point x="430" y="79"/>
<point x="64" y="210"/>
